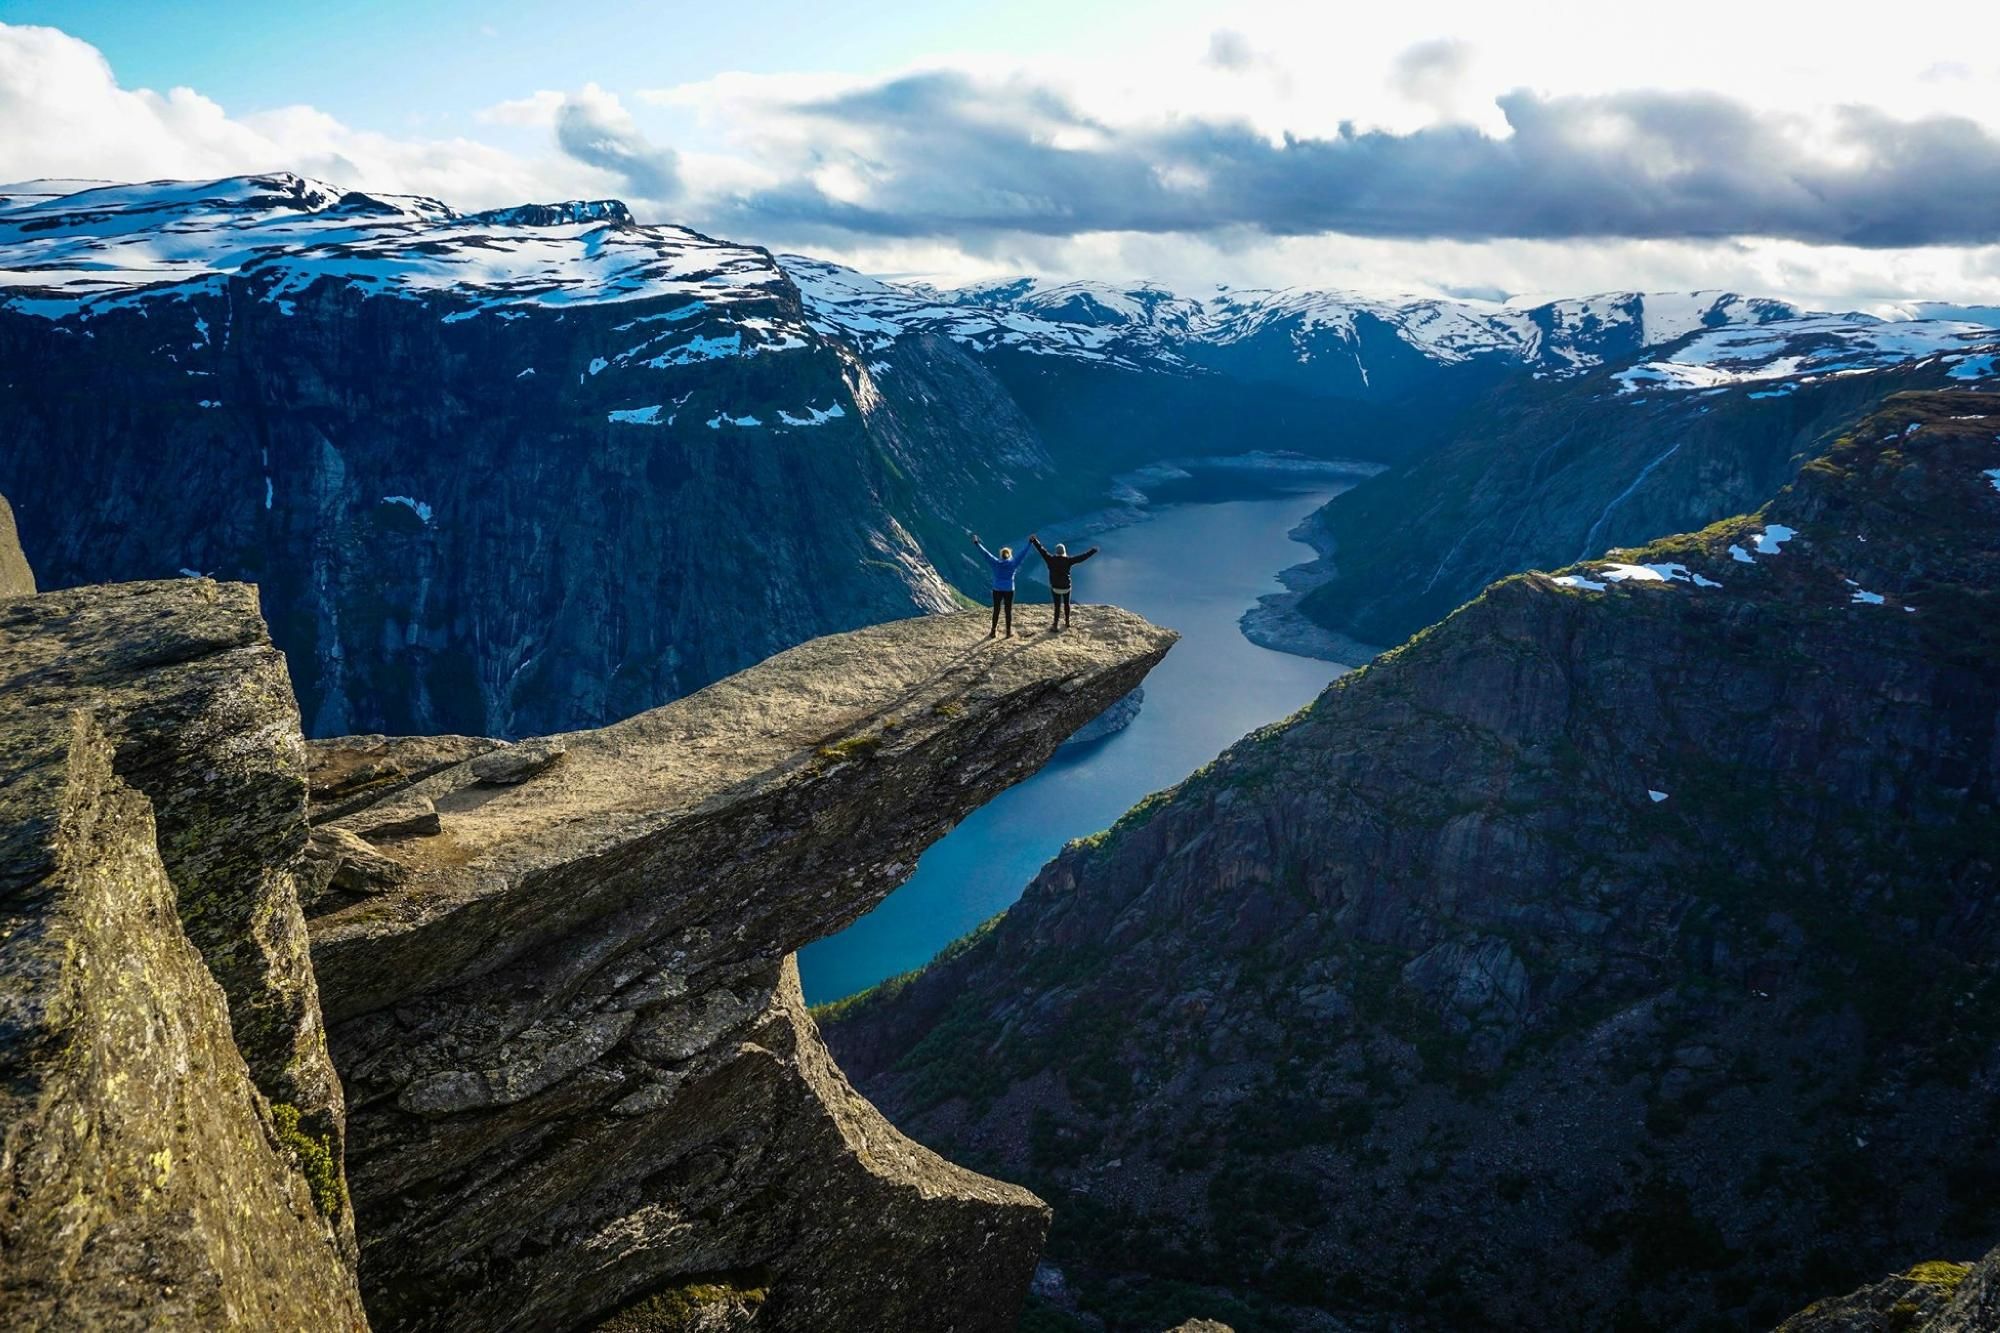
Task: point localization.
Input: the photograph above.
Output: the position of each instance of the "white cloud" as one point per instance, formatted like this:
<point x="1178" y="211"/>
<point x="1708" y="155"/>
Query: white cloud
<point x="536" y="109"/>
<point x="698" y="149"/>
<point x="62" y="113"/>
<point x="1432" y="73"/>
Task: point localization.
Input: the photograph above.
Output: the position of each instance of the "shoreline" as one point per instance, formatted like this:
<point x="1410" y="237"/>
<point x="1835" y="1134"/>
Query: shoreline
<point x="1275" y="622"/>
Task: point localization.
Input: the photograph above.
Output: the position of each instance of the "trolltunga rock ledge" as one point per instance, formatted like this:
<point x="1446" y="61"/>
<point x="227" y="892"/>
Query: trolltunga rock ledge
<point x="559" y="986"/>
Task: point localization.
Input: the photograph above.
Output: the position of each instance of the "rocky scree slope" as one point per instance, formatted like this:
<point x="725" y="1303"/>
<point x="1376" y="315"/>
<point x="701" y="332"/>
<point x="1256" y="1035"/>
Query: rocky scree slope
<point x="1544" y="472"/>
<point x="560" y="985"/>
<point x="1620" y="949"/>
<point x="172" y="1124"/>
<point x="500" y="474"/>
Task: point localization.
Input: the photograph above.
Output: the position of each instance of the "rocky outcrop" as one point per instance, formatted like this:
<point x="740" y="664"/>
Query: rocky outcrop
<point x="1932" y="1297"/>
<point x="582" y="1081"/>
<point x="149" y="1183"/>
<point x="197" y="708"/>
<point x="345" y="773"/>
<point x="586" y="1089"/>
<point x="1109" y="722"/>
<point x="1621" y="949"/>
<point x="16" y="579"/>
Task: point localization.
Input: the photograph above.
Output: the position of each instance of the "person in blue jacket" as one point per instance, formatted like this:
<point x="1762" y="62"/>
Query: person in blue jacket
<point x="1004" y="565"/>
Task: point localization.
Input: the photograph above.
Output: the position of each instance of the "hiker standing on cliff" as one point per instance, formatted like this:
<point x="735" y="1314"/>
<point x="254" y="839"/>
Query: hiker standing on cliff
<point x="1004" y="565"/>
<point x="1060" y="562"/>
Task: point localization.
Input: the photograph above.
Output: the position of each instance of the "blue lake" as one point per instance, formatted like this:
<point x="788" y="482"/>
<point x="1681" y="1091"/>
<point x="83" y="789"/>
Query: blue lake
<point x="1191" y="567"/>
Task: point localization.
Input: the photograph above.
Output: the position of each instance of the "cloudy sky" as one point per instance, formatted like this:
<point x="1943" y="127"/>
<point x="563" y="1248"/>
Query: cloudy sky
<point x="1479" y="149"/>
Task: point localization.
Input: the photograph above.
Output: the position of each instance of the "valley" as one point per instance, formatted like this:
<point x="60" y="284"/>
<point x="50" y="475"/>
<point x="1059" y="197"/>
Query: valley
<point x="1193" y="567"/>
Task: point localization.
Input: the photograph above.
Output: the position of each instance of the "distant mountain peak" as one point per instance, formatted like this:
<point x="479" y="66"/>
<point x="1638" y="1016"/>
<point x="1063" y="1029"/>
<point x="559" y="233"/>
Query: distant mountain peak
<point x="83" y="251"/>
<point x="557" y="215"/>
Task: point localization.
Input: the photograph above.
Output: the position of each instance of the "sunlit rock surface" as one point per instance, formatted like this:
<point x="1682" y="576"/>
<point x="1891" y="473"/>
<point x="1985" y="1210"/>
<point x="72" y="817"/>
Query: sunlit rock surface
<point x="581" y="1074"/>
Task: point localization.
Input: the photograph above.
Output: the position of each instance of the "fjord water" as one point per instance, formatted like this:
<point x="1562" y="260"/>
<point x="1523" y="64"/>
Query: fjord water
<point x="1193" y="567"/>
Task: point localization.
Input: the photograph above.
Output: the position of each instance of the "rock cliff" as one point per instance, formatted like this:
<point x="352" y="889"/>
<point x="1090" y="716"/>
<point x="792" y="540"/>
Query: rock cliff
<point x="149" y="754"/>
<point x="585" y="1090"/>
<point x="1623" y="948"/>
<point x="613" y="463"/>
<point x="559" y="984"/>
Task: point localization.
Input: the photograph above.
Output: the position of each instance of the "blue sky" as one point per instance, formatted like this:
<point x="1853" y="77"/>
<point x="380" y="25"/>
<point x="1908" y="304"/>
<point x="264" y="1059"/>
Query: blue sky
<point x="379" y="64"/>
<point x="1445" y="147"/>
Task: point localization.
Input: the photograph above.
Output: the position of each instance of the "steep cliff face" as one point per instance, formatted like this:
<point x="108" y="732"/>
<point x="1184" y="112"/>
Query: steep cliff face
<point x="1622" y="947"/>
<point x="1550" y="471"/>
<point x="183" y="681"/>
<point x="501" y="474"/>
<point x="559" y="981"/>
<point x="153" y="1179"/>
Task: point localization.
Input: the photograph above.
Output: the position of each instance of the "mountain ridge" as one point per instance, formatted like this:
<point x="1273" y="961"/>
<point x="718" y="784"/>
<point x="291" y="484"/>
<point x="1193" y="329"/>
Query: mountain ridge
<point x="599" y="439"/>
<point x="1145" y="322"/>
<point x="1550" y="472"/>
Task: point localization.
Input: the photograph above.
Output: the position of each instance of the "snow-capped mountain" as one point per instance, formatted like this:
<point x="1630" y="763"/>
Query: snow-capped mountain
<point x="1559" y="471"/>
<point x="504" y="472"/>
<point x="873" y="313"/>
<point x="84" y="253"/>
<point x="81" y="252"/>
<point x="1787" y="355"/>
<point x="1337" y="340"/>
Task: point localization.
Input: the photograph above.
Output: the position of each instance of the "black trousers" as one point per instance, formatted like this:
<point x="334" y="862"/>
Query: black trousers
<point x="1061" y="605"/>
<point x="1005" y="599"/>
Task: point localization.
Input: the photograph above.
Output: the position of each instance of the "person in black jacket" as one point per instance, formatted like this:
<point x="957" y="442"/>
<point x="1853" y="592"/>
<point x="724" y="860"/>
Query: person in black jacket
<point x="1060" y="562"/>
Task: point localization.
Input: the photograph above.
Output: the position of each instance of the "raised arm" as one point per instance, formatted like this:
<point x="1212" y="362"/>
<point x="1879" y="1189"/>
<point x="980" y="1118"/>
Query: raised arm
<point x="1085" y="556"/>
<point x="983" y="551"/>
<point x="1040" y="549"/>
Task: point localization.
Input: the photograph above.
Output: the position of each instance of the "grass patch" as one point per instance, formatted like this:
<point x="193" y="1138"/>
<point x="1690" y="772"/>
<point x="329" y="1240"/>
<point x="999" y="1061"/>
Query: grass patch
<point x="689" y="1306"/>
<point x="313" y="1157"/>
<point x="853" y="747"/>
